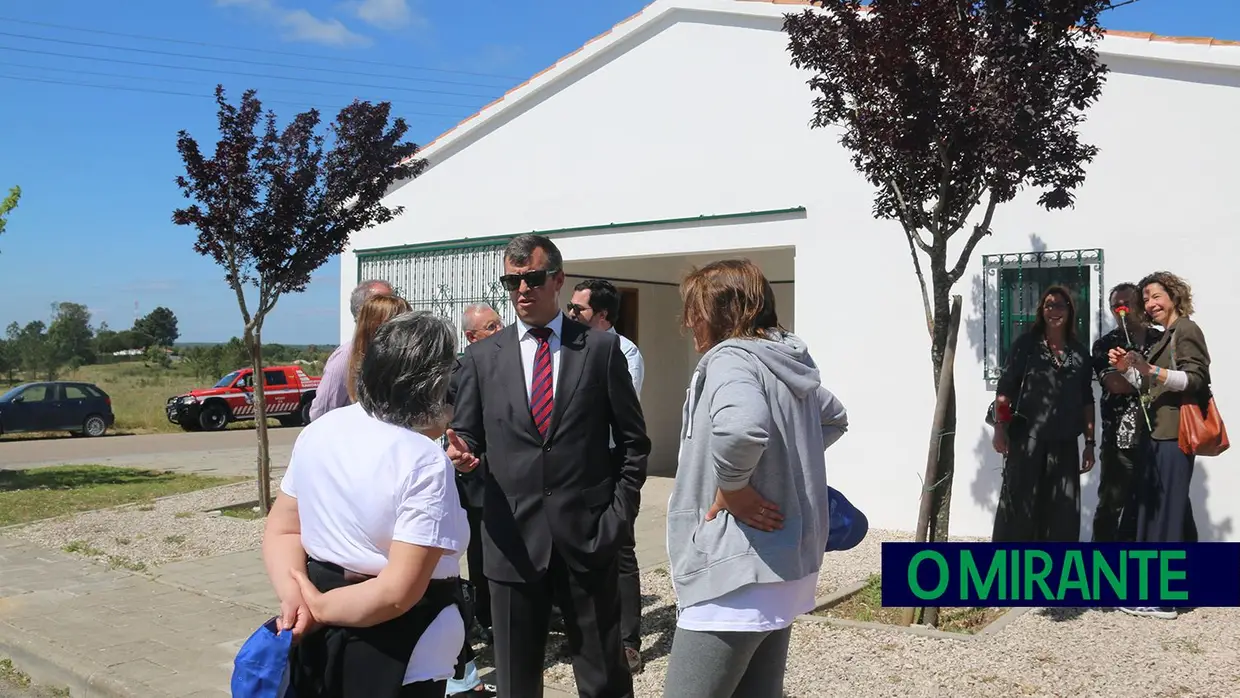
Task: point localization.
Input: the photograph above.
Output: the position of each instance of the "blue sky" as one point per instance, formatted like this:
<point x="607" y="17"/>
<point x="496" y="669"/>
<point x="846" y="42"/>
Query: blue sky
<point x="96" y="164"/>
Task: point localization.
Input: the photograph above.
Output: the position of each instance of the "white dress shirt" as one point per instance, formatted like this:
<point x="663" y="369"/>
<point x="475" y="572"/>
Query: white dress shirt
<point x="529" y="349"/>
<point x="637" y="365"/>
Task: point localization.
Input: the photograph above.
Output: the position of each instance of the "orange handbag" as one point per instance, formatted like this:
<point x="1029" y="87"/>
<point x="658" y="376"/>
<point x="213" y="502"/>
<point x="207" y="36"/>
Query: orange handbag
<point x="1202" y="432"/>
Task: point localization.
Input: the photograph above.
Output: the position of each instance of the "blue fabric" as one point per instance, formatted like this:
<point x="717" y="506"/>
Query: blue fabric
<point x="261" y="665"/>
<point x="848" y="524"/>
<point x="468" y="683"/>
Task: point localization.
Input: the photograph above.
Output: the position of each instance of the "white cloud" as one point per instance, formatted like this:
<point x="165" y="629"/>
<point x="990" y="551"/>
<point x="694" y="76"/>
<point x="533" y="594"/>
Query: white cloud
<point x="299" y="24"/>
<point x="387" y="14"/>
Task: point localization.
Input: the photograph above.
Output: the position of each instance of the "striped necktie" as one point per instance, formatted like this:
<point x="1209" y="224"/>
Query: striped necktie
<point x="541" y="387"/>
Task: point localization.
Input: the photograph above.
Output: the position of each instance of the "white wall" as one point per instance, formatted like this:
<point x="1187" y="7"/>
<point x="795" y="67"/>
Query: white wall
<point x="707" y="119"/>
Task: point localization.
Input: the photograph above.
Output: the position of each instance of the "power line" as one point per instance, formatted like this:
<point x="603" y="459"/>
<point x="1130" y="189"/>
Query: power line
<point x="291" y="54"/>
<point x="148" y="90"/>
<point x="237" y="72"/>
<point x="243" y="61"/>
<point x="77" y="71"/>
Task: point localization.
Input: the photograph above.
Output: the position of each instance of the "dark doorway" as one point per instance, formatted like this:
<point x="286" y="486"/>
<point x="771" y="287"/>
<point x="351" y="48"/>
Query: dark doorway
<point x="626" y="324"/>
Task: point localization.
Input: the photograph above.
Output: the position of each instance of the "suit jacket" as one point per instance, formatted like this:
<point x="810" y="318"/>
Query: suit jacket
<point x="1191" y="356"/>
<point x="568" y="491"/>
<point x="468" y="485"/>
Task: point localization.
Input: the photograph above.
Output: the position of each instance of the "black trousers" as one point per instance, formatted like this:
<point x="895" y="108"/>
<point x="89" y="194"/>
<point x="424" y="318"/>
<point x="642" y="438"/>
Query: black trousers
<point x="1163" y="511"/>
<point x="630" y="594"/>
<point x="1040" y="499"/>
<point x="473" y="557"/>
<point x="1116" y="492"/>
<point x="590" y="603"/>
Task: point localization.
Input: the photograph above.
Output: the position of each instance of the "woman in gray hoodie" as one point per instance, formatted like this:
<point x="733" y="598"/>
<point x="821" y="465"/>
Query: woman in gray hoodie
<point x="747" y="522"/>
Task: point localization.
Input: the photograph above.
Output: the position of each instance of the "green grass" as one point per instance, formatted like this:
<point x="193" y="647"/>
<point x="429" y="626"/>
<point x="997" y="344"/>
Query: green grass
<point x="138" y="394"/>
<point x="12" y="674"/>
<point x="243" y="511"/>
<point x="867" y="605"/>
<point x="41" y="493"/>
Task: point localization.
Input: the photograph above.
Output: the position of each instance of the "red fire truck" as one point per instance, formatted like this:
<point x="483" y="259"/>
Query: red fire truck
<point x="288" y="390"/>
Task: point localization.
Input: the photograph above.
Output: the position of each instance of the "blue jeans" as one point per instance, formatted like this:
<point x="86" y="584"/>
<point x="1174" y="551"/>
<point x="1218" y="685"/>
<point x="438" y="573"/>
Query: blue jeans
<point x="469" y="683"/>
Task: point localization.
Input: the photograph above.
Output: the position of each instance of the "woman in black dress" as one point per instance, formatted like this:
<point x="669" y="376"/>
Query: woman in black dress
<point x="1044" y="403"/>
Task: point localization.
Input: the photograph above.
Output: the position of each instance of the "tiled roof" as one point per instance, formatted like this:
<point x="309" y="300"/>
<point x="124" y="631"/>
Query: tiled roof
<point x="1148" y="36"/>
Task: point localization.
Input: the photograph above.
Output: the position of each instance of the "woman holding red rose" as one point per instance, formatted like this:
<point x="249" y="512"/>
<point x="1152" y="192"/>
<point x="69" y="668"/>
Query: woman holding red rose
<point x="1175" y="368"/>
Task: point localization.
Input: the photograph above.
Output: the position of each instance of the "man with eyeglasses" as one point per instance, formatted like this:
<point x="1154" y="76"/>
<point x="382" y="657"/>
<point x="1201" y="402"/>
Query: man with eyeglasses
<point x="543" y="399"/>
<point x="596" y="303"/>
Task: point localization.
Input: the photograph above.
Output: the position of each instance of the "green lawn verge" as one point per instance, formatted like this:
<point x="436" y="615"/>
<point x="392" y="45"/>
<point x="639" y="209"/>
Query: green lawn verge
<point x="42" y="493"/>
<point x="867" y="605"/>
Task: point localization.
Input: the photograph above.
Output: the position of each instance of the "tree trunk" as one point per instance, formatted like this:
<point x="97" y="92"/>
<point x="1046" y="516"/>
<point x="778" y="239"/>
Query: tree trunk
<point x="253" y="338"/>
<point x="941" y="437"/>
<point x="939" y="484"/>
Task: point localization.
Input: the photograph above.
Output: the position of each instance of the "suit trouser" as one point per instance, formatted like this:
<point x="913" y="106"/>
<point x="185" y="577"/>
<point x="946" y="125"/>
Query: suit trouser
<point x="630" y="593"/>
<point x="590" y="602"/>
<point x="473" y="557"/>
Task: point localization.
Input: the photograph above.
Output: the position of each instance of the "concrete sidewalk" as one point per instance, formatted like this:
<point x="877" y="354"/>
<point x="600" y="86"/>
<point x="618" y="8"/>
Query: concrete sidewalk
<point x="171" y="633"/>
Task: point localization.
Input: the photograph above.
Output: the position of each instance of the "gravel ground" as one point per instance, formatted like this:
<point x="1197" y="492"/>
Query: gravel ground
<point x="141" y="536"/>
<point x="1043" y="653"/>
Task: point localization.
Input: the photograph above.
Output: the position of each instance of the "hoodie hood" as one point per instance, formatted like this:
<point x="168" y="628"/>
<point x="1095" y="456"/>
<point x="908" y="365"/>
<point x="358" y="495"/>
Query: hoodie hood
<point x="783" y="353"/>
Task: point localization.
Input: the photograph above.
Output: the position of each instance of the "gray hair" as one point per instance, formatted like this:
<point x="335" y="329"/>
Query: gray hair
<point x="363" y="291"/>
<point x="521" y="248"/>
<point x="405" y="374"/>
<point x="469" y="317"/>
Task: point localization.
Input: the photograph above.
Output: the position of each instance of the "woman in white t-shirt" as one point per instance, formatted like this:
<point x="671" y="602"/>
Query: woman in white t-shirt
<point x="363" y="543"/>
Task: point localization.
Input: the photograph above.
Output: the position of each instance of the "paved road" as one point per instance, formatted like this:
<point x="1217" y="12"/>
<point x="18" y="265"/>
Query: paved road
<point x="230" y="452"/>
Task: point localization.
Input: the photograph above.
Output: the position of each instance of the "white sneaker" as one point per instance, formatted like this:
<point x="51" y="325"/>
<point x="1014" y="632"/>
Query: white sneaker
<point x="1151" y="612"/>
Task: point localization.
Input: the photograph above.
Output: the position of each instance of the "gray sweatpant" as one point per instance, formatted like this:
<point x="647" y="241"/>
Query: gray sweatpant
<point x="723" y="664"/>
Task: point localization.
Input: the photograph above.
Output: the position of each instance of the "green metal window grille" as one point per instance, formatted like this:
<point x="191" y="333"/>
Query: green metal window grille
<point x="444" y="279"/>
<point x="1015" y="283"/>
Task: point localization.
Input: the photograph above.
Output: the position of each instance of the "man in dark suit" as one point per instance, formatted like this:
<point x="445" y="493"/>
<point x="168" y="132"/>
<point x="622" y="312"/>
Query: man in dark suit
<point x="542" y="399"/>
<point x="479" y="321"/>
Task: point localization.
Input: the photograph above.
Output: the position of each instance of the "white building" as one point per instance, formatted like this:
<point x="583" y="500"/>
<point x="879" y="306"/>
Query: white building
<point x="681" y="136"/>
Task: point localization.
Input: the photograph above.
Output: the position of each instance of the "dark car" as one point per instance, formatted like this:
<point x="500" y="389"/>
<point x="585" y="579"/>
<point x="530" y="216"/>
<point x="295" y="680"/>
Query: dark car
<point x="78" y="408"/>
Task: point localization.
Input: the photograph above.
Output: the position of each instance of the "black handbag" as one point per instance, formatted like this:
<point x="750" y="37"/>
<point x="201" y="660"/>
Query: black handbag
<point x="991" y="416"/>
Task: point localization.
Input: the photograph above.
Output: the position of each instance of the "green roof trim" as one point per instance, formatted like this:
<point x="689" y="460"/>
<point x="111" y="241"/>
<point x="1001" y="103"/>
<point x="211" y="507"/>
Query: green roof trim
<point x="493" y="240"/>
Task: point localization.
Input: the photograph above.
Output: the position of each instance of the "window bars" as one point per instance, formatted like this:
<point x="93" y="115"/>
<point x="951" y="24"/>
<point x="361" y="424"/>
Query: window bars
<point x="1013" y="285"/>
<point x="444" y="279"/>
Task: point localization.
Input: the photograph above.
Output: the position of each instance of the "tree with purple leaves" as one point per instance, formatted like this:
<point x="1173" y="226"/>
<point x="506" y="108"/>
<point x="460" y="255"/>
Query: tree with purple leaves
<point x="272" y="206"/>
<point x="950" y="108"/>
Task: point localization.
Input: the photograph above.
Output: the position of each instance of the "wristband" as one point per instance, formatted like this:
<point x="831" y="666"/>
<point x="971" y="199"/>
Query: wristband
<point x="1157" y="370"/>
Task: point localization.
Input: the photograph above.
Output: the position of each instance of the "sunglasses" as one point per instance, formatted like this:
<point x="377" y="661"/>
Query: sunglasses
<point x="532" y="279"/>
<point x="574" y="309"/>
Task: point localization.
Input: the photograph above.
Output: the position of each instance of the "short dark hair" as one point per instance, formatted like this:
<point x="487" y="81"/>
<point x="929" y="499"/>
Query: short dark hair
<point x="405" y="374"/>
<point x="603" y="297"/>
<point x="1125" y="286"/>
<point x="521" y="248"/>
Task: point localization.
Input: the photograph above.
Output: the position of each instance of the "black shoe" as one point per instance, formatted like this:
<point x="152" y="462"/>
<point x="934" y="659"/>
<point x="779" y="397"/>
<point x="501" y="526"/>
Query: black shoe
<point x="481" y="635"/>
<point x="557" y="623"/>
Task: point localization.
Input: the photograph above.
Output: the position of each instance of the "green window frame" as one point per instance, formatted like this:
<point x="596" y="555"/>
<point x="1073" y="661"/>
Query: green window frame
<point x="1014" y="284"/>
<point x="443" y="278"/>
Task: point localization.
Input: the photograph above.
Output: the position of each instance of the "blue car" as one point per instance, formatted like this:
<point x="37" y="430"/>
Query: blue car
<point x="78" y="408"/>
